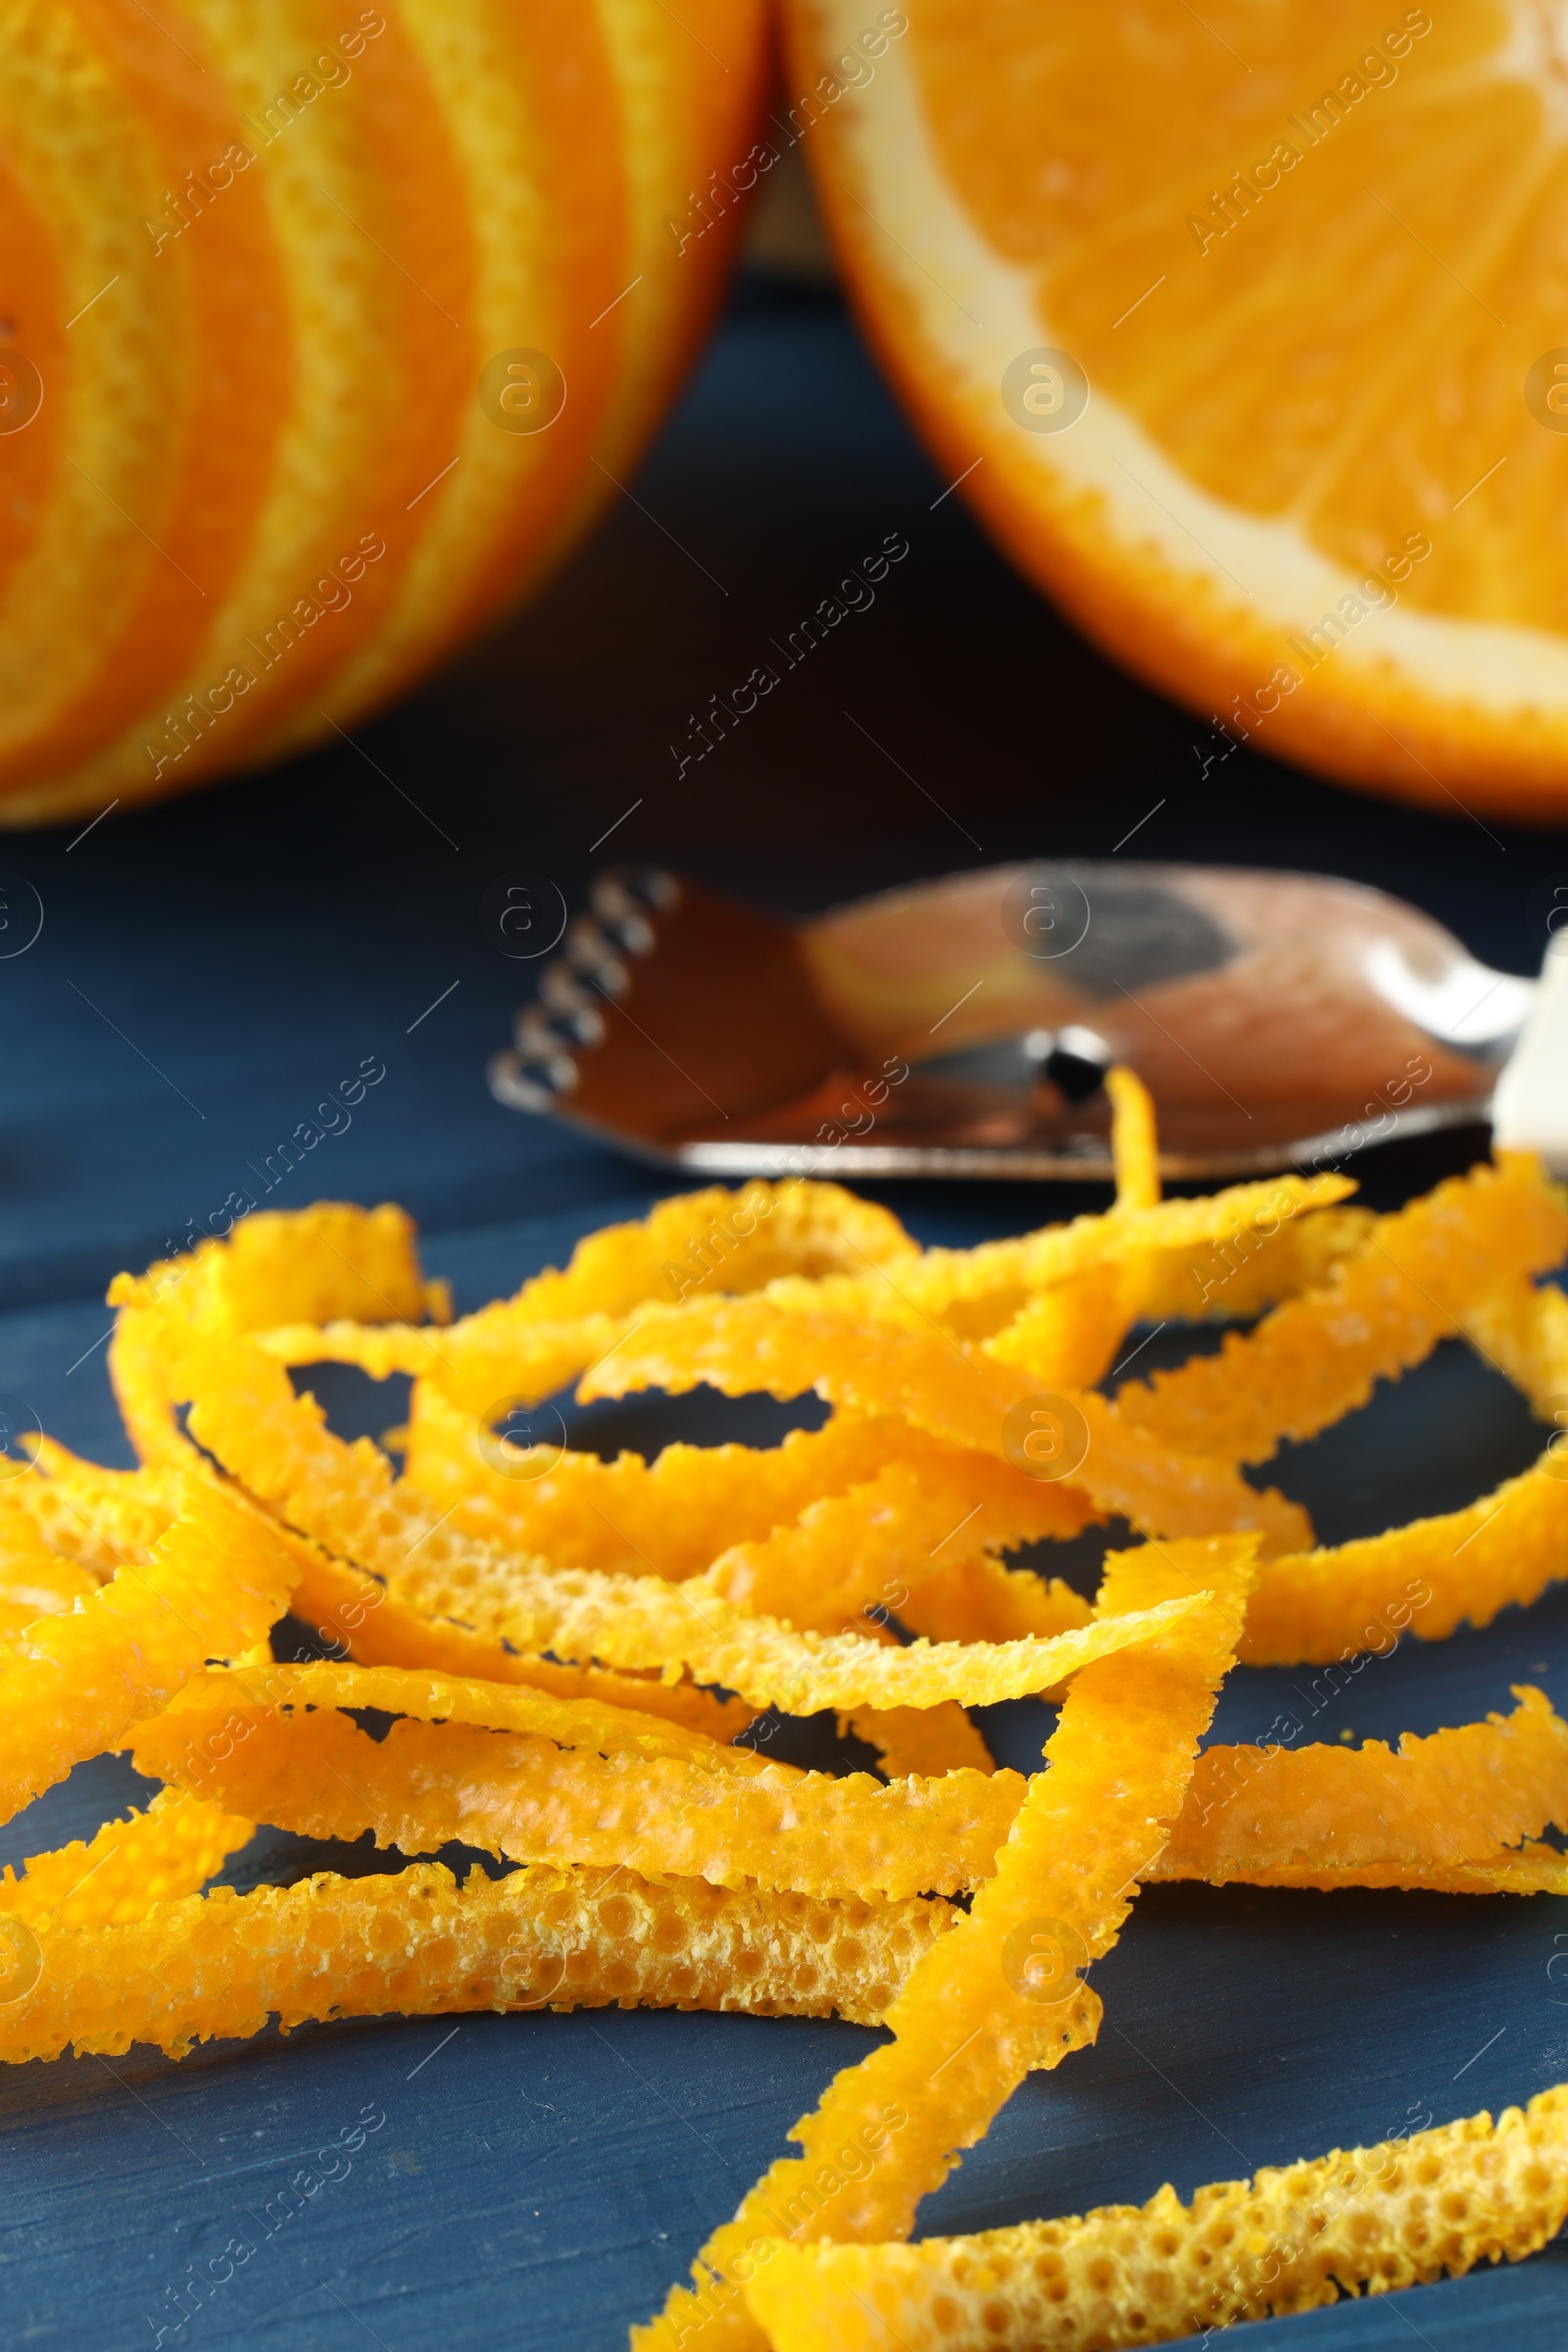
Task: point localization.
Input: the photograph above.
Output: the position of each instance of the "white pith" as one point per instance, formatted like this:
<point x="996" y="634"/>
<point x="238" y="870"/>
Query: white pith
<point x="977" y="311"/>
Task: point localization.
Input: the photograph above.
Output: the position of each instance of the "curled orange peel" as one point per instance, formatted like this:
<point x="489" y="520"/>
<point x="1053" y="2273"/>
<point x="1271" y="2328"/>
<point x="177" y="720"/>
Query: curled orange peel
<point x="969" y="2024"/>
<point x="220" y="1966"/>
<point x="1316" y="1357"/>
<point x="171" y="1850"/>
<point x="1292" y="2238"/>
<point x="72" y="1686"/>
<point x="517" y="1795"/>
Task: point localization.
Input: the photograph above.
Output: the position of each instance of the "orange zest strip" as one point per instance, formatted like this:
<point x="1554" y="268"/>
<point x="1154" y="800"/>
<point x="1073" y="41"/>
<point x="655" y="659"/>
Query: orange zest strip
<point x="221" y="1964"/>
<point x="715" y="1241"/>
<point x="1134" y="1144"/>
<point x="1325" y="1816"/>
<point x="1291" y="2238"/>
<point x="1428" y="1577"/>
<point x="517" y="1795"/>
<point x="342" y="1498"/>
<point x="275" y="1267"/>
<point x="999" y="1997"/>
<point x="1316" y="1357"/>
<point x="961" y="1396"/>
<point x="1523" y="1328"/>
<point x="72" y="1686"/>
<point x="356" y="1616"/>
<point x="641" y="1621"/>
<point x="172" y="1849"/>
<point x="876" y="1545"/>
<point x="1243" y="1274"/>
<point x="979" y="1599"/>
<point x="674" y="1514"/>
<point x="583" y="1722"/>
<point x="99" y="1517"/>
<point x="35" y="1580"/>
<point x="1068" y="1336"/>
<point x="919" y="1740"/>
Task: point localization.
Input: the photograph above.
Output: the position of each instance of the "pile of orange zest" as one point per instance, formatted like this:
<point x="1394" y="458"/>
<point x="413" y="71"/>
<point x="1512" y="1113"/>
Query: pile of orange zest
<point x="355" y="1615"/>
<point x="72" y="1686"/>
<point x="966" y="2027"/>
<point x="1134" y="1144"/>
<point x="528" y="1347"/>
<point x="961" y="1396"/>
<point x="172" y="1849"/>
<point x="342" y="1498"/>
<point x="220" y="1965"/>
<point x="1425" y="1578"/>
<point x="1330" y="1816"/>
<point x="879" y="1541"/>
<point x="1315" y="1358"/>
<point x="1292" y="2238"/>
<point x="519" y="1796"/>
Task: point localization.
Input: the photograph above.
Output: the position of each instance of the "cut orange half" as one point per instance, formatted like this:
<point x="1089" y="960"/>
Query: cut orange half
<point x="1245" y="326"/>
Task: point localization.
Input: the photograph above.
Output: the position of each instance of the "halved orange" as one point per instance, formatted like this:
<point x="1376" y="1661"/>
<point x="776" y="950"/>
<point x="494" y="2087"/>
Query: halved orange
<point x="1247" y="326"/>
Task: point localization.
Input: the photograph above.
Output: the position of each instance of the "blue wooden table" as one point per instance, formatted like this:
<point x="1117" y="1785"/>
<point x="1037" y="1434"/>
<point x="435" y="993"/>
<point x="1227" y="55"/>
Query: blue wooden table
<point x="208" y="975"/>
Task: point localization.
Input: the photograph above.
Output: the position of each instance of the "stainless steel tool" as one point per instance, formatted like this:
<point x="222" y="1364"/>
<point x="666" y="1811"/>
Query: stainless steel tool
<point x="961" y="1027"/>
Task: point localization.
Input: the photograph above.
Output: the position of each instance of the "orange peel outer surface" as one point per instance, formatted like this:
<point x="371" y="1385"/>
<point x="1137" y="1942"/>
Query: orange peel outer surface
<point x="517" y="1795"/>
<point x="1426" y="1578"/>
<point x="959" y="1396"/>
<point x="1291" y="2239"/>
<point x="921" y="1740"/>
<point x="531" y="1346"/>
<point x="578" y="1721"/>
<point x="1134" y="1142"/>
<point x="276" y="1266"/>
<point x="35" y="1580"/>
<point x="172" y="1849"/>
<point x="981" y="1599"/>
<point x="877" y="1542"/>
<point x="1522" y="1327"/>
<point x="1316" y="1357"/>
<point x="1460" y="1796"/>
<point x="71" y="1687"/>
<point x="966" y="2026"/>
<point x="354" y="1614"/>
<point x="100" y="1518"/>
<point x="673" y="1514"/>
<point x="220" y="1965"/>
<point x="1242" y="1275"/>
<point x="342" y="1497"/>
<point x="1069" y="1334"/>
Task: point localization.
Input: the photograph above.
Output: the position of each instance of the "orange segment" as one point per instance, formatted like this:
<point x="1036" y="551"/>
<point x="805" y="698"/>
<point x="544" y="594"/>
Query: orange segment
<point x="1309" y="265"/>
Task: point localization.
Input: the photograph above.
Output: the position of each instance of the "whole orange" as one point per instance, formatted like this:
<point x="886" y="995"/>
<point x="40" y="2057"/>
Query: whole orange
<point x="1243" y="327"/>
<point x="324" y="330"/>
